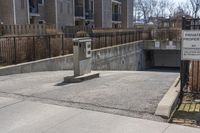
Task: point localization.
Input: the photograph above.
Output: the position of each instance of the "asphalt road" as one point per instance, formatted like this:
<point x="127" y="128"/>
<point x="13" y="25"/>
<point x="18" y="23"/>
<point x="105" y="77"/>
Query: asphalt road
<point x="134" y="94"/>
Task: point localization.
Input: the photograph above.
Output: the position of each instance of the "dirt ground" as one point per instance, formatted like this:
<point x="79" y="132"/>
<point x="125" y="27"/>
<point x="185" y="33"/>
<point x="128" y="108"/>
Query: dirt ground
<point x="188" y="112"/>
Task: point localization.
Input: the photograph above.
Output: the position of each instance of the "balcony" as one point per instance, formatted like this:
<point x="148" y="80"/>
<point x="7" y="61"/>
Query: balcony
<point x="116" y="17"/>
<point x="89" y="14"/>
<point x="33" y="8"/>
<point x="34" y="12"/>
<point x="79" y="11"/>
<point x="117" y="1"/>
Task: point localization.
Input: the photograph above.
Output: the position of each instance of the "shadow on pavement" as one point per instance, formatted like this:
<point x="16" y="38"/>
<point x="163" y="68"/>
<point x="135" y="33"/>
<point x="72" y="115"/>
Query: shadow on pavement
<point x="164" y="69"/>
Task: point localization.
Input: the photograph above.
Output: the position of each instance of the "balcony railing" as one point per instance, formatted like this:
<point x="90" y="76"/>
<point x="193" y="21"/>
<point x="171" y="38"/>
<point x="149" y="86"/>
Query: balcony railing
<point x="79" y="11"/>
<point x="120" y="1"/>
<point x="34" y="10"/>
<point x="89" y="14"/>
<point x="116" y="17"/>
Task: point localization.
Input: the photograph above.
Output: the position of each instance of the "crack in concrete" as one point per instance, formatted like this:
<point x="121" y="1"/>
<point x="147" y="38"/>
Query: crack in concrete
<point x="166" y="128"/>
<point x="75" y="115"/>
<point x="11" y="104"/>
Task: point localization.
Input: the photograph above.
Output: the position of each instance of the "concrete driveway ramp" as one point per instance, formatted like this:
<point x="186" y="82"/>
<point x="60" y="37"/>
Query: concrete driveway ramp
<point x="128" y="93"/>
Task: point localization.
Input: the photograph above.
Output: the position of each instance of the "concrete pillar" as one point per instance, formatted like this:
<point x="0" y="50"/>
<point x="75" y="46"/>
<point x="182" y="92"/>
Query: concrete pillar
<point x="82" y="56"/>
<point x="103" y="13"/>
<point x="82" y="61"/>
<point x="127" y="13"/>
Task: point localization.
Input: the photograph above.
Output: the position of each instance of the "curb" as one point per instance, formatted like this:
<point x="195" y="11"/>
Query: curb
<point x="169" y="101"/>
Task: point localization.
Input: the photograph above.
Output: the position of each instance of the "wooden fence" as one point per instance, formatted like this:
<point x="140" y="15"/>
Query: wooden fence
<point x="18" y="49"/>
<point x="194" y="77"/>
<point x="166" y="34"/>
<point x="110" y="38"/>
<point x="31" y="29"/>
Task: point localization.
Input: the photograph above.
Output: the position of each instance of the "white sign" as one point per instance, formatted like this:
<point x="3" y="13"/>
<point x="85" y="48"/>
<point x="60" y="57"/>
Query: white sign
<point x="157" y="44"/>
<point x="171" y="45"/>
<point x="190" y="45"/>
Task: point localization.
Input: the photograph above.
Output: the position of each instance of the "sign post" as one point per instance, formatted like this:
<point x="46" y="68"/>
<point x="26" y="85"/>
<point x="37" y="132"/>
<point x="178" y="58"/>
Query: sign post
<point x="190" y="48"/>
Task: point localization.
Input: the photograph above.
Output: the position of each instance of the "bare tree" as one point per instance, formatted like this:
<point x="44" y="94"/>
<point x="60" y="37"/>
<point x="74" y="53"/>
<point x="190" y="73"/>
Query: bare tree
<point x="183" y="9"/>
<point x="152" y="6"/>
<point x="171" y="7"/>
<point x="165" y="8"/>
<point x="157" y="12"/>
<point x="195" y="4"/>
<point x="144" y="8"/>
<point x="162" y="5"/>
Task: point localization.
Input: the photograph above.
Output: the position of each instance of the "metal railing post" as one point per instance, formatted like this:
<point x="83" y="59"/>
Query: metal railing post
<point x="121" y="38"/>
<point x="15" y="50"/>
<point x="62" y="37"/>
<point x="111" y="37"/>
<point x="49" y="43"/>
<point x="105" y="39"/>
<point x="34" y="56"/>
<point x="116" y="35"/>
<point x="99" y="41"/>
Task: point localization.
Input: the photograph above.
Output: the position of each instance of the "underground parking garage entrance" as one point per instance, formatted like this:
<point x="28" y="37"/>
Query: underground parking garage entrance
<point x="162" y="60"/>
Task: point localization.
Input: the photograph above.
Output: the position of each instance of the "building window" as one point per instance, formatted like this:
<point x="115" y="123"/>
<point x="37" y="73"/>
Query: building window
<point x="61" y="7"/>
<point x="22" y="4"/>
<point x="68" y="8"/>
<point x="41" y="22"/>
<point x="41" y="2"/>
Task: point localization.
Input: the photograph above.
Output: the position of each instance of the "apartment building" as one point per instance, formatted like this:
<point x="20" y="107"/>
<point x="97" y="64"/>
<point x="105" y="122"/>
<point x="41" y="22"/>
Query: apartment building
<point x="103" y="13"/>
<point x="113" y="13"/>
<point x="84" y="13"/>
<point x="91" y="13"/>
<point x="127" y="13"/>
<point x="57" y="12"/>
<point x="116" y="13"/>
<point x="14" y="11"/>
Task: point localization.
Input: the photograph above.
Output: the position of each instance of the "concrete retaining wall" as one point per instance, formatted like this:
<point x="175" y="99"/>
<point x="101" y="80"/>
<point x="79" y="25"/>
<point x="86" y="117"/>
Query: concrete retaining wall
<point x="123" y="57"/>
<point x="53" y="64"/>
<point x="129" y="56"/>
<point x="164" y="45"/>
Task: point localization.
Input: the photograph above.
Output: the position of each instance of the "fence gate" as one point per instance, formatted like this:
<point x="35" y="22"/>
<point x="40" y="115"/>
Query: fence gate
<point x="190" y="56"/>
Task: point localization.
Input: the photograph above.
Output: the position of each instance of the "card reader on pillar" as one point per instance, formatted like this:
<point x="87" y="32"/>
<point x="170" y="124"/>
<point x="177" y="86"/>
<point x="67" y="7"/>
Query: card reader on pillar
<point x="82" y="58"/>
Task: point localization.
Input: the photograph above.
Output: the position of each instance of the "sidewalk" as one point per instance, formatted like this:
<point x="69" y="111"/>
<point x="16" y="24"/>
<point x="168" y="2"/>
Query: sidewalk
<point x="32" y="117"/>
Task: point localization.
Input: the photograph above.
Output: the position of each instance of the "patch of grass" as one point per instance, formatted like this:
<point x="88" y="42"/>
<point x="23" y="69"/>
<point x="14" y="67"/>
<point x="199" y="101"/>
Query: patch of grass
<point x="188" y="113"/>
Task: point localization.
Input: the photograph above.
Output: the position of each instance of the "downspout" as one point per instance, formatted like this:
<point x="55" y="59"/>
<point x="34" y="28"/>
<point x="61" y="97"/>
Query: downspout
<point x="102" y="16"/>
<point x="56" y="13"/>
<point x="28" y="11"/>
<point x="14" y="12"/>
